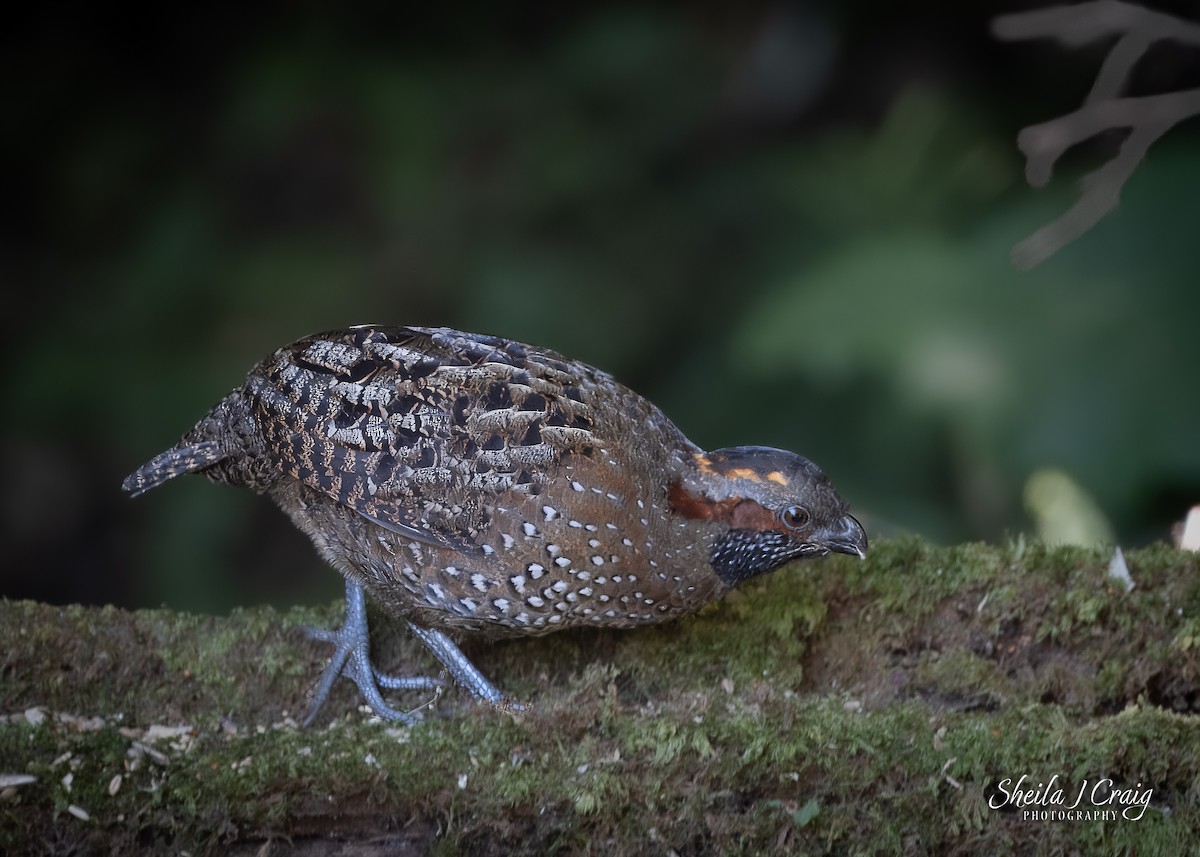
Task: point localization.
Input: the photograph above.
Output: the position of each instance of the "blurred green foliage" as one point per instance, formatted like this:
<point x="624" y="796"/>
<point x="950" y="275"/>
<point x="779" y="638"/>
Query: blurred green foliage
<point x="809" y="252"/>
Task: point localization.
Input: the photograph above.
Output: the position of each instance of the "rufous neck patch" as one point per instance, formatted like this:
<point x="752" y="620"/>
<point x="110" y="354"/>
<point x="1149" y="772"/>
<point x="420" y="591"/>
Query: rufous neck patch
<point x="739" y="512"/>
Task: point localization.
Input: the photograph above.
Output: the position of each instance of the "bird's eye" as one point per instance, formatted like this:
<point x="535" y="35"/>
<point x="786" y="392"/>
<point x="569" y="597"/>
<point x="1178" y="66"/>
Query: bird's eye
<point x="794" y="517"/>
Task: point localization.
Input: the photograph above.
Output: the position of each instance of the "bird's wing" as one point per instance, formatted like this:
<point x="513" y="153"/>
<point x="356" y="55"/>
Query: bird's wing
<point x="422" y="430"/>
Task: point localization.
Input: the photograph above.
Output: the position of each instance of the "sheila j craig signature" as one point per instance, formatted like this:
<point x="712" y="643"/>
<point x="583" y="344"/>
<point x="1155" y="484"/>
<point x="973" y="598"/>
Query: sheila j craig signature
<point x="1098" y="801"/>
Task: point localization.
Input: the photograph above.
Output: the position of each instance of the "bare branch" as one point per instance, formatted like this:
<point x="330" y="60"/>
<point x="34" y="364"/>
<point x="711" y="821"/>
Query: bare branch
<point x="1110" y="81"/>
<point x="1082" y="23"/>
<point x="1102" y="192"/>
<point x="1149" y="117"/>
<point x="1043" y="144"/>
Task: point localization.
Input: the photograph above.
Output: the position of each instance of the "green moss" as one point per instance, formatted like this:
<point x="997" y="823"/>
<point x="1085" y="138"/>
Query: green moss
<point x="836" y="707"/>
<point x="960" y="678"/>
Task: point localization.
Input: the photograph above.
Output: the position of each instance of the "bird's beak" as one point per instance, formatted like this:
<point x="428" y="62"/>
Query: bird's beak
<point x="845" y="536"/>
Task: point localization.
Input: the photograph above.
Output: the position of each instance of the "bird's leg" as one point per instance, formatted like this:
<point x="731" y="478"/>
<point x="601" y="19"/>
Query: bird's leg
<point x="463" y="671"/>
<point x="352" y="658"/>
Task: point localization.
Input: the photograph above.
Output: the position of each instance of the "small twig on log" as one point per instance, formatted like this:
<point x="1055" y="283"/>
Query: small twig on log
<point x="1148" y="117"/>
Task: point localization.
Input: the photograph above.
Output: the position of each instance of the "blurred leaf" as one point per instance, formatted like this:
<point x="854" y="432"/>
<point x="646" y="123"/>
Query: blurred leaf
<point x="1063" y="512"/>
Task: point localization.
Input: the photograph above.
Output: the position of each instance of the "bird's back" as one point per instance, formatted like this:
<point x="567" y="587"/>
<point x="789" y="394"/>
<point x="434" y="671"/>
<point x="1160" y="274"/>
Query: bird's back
<point x="429" y="431"/>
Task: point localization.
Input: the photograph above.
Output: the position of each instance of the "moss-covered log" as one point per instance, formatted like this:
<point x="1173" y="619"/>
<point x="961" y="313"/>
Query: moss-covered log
<point x="837" y="706"/>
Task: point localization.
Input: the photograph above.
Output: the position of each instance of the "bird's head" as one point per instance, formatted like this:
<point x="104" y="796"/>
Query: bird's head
<point x="768" y="507"/>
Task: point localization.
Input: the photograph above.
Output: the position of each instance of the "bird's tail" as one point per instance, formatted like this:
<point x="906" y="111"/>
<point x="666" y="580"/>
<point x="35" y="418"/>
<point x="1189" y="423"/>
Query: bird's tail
<point x="182" y="458"/>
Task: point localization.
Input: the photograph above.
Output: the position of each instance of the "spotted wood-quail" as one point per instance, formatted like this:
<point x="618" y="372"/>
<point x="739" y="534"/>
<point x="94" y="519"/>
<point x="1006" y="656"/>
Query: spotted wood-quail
<point x="474" y="485"/>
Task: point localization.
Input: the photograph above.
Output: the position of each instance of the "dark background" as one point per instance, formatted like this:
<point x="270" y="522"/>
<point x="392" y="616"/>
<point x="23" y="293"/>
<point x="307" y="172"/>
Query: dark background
<point x="786" y="224"/>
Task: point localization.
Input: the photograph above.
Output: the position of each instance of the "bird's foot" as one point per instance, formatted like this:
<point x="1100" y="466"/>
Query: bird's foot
<point x="463" y="671"/>
<point x="352" y="658"/>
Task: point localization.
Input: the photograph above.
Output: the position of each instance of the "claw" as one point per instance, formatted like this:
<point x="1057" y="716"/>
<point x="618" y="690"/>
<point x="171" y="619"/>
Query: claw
<point x="352" y="658"/>
<point x="463" y="671"/>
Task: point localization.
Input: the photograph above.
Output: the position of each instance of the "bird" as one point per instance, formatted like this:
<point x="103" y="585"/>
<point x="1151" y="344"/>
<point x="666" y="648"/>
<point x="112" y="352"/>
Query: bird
<point x="475" y="486"/>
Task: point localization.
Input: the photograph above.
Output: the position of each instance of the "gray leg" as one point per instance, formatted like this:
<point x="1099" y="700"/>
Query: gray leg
<point x="463" y="670"/>
<point x="352" y="658"/>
